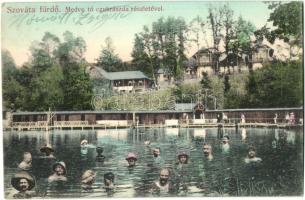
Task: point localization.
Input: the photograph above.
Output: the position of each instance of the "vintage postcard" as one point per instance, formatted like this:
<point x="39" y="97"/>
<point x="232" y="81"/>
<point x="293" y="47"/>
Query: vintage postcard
<point x="152" y="99"/>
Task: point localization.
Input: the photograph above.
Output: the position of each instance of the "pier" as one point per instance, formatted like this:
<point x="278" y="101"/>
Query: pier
<point x="185" y="118"/>
<point x="114" y="124"/>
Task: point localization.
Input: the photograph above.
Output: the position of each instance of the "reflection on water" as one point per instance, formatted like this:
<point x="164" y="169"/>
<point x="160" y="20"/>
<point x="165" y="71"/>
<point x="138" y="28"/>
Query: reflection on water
<point x="226" y="174"/>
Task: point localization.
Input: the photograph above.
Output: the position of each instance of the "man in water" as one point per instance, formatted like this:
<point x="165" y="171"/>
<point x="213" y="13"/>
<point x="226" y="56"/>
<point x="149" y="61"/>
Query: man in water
<point x="88" y="178"/>
<point x="251" y="158"/>
<point x="48" y="150"/>
<point x="100" y="157"/>
<point x="23" y="182"/>
<point x="26" y="164"/>
<point x="131" y="159"/>
<point x="60" y="171"/>
<point x="109" y="181"/>
<point x="207" y="151"/>
<point x="183" y="158"/>
<point x="156" y="154"/>
<point x="225" y="146"/>
<point x="162" y="185"/>
<point x="84" y="147"/>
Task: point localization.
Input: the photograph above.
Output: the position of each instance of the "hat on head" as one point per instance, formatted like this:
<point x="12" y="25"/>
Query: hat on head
<point x="99" y="149"/>
<point x="131" y="155"/>
<point x="109" y="176"/>
<point x="88" y="175"/>
<point x="182" y="153"/>
<point x="23" y="175"/>
<point x="226" y="136"/>
<point x="61" y="163"/>
<point x="47" y="147"/>
<point x="83" y="142"/>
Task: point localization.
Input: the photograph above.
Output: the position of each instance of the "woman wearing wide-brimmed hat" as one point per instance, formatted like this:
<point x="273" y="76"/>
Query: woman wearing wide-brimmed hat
<point x="48" y="150"/>
<point x="131" y="159"/>
<point x="88" y="178"/>
<point x="60" y="171"/>
<point x="183" y="157"/>
<point x="23" y="182"/>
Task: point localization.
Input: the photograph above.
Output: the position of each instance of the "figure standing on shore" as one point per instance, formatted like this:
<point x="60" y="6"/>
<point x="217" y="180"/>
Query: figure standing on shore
<point x="275" y="118"/>
<point x="292" y="118"/>
<point x="243" y="118"/>
<point x="26" y="164"/>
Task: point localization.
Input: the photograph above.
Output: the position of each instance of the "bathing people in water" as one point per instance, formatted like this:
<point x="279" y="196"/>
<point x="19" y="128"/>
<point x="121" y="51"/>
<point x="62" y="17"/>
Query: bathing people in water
<point x="88" y="178"/>
<point x="162" y="184"/>
<point x="60" y="171"/>
<point x="251" y="157"/>
<point x="109" y="180"/>
<point x="131" y="159"/>
<point x="99" y="157"/>
<point x="26" y="164"/>
<point x="23" y="182"/>
<point x="48" y="151"/>
<point x="207" y="151"/>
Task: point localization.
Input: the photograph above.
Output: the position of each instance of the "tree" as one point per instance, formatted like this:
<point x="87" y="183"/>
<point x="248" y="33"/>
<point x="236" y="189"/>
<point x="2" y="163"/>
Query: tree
<point x="164" y="46"/>
<point x="235" y="96"/>
<point x="47" y="91"/>
<point x="70" y="51"/>
<point x="9" y="68"/>
<point x="244" y="30"/>
<point x="140" y="59"/>
<point x="205" y="81"/>
<point x="78" y="90"/>
<point x="276" y="85"/>
<point x="227" y="84"/>
<point x="228" y="24"/>
<point x="187" y="93"/>
<point x="108" y="60"/>
<point x="44" y="52"/>
<point x="217" y="91"/>
<point x="288" y="19"/>
<point x="215" y="17"/>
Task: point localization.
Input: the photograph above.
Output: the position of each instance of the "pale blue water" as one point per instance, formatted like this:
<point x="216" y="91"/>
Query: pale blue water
<point x="280" y="173"/>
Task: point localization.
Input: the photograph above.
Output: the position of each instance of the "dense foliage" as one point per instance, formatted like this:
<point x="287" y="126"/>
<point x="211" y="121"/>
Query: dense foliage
<point x="54" y="77"/>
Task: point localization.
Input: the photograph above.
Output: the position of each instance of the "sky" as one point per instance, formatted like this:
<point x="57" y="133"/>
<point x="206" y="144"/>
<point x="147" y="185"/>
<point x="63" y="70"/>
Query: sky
<point x="21" y="25"/>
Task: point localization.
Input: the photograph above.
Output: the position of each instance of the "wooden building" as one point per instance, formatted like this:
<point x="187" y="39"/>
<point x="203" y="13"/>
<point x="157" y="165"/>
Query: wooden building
<point x="119" y="82"/>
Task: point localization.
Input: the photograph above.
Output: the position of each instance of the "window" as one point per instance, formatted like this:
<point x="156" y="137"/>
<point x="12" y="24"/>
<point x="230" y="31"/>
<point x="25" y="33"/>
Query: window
<point x="270" y="52"/>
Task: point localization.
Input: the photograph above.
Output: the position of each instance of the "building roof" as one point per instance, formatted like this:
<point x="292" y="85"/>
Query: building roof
<point x="184" y="106"/>
<point x="98" y="72"/>
<point x="156" y="111"/>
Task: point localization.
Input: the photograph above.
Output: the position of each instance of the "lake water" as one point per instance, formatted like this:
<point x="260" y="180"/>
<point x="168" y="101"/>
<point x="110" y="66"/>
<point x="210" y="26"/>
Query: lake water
<point x="279" y="174"/>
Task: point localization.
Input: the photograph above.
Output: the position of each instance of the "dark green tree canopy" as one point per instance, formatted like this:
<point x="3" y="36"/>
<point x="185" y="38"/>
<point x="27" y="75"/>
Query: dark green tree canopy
<point x="287" y="18"/>
<point x="108" y="59"/>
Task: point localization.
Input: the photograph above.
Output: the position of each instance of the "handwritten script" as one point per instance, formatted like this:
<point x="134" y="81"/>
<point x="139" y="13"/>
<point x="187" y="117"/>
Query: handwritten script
<point x="94" y="20"/>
